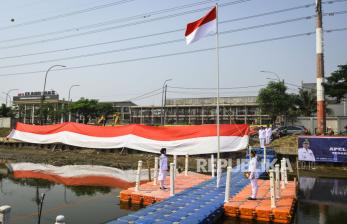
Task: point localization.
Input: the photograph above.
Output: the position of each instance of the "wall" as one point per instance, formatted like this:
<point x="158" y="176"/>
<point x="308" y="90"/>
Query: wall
<point x="5" y="122"/>
<point x="338" y="124"/>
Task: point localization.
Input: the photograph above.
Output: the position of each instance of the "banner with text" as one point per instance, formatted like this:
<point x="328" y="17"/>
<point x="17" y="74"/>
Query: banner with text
<point x="322" y="149"/>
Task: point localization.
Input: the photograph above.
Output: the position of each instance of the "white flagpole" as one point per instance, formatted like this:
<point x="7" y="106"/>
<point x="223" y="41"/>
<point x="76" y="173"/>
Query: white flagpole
<point x="217" y="109"/>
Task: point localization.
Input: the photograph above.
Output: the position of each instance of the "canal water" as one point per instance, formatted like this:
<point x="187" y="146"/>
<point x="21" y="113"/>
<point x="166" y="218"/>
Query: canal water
<point x="320" y="200"/>
<point x="79" y="204"/>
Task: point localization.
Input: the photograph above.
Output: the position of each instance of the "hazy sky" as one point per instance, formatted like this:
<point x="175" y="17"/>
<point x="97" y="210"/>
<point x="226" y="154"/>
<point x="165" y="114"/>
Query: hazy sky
<point x="293" y="59"/>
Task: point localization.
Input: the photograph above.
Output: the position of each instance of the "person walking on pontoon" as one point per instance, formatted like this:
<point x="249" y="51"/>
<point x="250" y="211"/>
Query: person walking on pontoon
<point x="253" y="175"/>
<point x="162" y="168"/>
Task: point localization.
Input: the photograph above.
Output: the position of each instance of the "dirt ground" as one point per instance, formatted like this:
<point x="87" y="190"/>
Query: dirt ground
<point x="127" y="159"/>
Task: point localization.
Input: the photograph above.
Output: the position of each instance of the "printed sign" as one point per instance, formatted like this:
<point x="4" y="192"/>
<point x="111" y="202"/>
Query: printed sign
<point x="322" y="149"/>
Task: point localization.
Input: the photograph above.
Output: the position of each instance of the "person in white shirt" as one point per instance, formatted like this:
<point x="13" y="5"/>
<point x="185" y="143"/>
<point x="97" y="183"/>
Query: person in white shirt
<point x="162" y="168"/>
<point x="268" y="134"/>
<point x="253" y="175"/>
<point x="262" y="137"/>
<point x="305" y="153"/>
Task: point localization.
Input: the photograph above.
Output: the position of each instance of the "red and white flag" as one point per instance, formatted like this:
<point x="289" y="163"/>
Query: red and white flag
<point x="180" y="140"/>
<point x="202" y="27"/>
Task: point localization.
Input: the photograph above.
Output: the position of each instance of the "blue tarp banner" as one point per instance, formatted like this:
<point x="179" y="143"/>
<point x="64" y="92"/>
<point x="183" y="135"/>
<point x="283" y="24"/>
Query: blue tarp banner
<point x="322" y="149"/>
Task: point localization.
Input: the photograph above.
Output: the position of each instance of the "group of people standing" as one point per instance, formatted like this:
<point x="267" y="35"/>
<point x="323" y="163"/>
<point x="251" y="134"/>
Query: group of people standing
<point x="252" y="172"/>
<point x="265" y="135"/>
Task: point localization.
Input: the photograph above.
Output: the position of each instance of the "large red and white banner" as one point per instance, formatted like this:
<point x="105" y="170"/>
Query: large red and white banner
<point x="180" y="140"/>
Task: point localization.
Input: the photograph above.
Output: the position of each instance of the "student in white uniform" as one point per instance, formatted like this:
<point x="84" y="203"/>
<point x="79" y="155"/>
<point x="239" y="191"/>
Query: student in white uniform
<point x="253" y="175"/>
<point x="268" y="134"/>
<point x="262" y="136"/>
<point x="162" y="168"/>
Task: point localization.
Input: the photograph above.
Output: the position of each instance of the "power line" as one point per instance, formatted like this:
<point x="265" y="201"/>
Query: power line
<point x="145" y="36"/>
<point x="145" y="15"/>
<point x="150" y="20"/>
<point x="66" y="14"/>
<point x="123" y="25"/>
<point x="149" y="94"/>
<point x="161" y="33"/>
<point x="145" y="97"/>
<point x="141" y="46"/>
<point x="158" y="43"/>
<point x="173" y="54"/>
<point x="145" y="94"/>
<point x="209" y="88"/>
<point x="139" y="16"/>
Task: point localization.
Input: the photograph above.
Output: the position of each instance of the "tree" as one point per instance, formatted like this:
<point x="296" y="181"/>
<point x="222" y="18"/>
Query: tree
<point x="91" y="109"/>
<point x="273" y="100"/>
<point x="85" y="107"/>
<point x="306" y="103"/>
<point x="336" y="85"/>
<point x="5" y="111"/>
<point x="104" y="109"/>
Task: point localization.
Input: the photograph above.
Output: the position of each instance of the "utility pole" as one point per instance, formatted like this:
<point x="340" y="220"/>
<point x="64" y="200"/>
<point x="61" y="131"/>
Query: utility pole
<point x="162" y="101"/>
<point x="164" y="104"/>
<point x="321" y="113"/>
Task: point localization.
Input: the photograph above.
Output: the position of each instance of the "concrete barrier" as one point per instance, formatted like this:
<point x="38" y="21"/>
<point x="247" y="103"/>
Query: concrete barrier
<point x="60" y="219"/>
<point x="5" y="212"/>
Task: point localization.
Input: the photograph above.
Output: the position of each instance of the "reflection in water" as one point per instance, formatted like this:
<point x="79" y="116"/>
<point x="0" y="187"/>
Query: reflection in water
<point x="323" y="189"/>
<point x="79" y="204"/>
<point x="322" y="200"/>
<point x="89" y="190"/>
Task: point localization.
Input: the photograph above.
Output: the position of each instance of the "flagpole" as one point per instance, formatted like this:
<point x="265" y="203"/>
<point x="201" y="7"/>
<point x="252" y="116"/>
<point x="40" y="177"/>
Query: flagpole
<point x="217" y="109"/>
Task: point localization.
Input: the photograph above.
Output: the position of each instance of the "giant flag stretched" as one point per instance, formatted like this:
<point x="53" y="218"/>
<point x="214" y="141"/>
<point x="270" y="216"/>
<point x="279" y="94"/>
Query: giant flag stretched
<point x="202" y="27"/>
<point x="180" y="140"/>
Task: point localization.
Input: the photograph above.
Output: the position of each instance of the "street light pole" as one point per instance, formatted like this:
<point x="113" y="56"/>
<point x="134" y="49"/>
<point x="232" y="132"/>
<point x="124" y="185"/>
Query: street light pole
<point x="162" y="102"/>
<point x="8" y="95"/>
<point x="68" y="101"/>
<point x="274" y="73"/>
<point x="44" y="89"/>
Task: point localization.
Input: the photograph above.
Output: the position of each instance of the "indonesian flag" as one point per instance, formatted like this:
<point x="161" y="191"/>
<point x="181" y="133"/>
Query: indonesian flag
<point x="202" y="27"/>
<point x="180" y="140"/>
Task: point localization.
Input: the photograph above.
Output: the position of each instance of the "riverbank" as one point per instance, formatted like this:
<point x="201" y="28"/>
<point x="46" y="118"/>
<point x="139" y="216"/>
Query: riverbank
<point x="119" y="158"/>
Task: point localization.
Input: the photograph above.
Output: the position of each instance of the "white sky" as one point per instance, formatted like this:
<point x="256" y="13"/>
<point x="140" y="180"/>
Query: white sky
<point x="292" y="59"/>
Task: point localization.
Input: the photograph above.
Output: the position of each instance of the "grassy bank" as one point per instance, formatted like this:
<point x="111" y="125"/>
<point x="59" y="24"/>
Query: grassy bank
<point x="4" y="132"/>
<point x="110" y="158"/>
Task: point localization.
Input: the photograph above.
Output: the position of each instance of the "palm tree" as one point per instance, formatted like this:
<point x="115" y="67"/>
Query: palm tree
<point x="306" y="103"/>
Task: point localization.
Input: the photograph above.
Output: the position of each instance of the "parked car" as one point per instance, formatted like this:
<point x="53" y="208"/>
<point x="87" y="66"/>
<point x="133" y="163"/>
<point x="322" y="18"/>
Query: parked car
<point x="288" y="130"/>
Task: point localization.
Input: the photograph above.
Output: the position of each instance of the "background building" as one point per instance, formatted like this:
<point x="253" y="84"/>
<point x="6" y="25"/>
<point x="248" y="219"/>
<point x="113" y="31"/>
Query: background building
<point x="240" y="110"/>
<point x="201" y="111"/>
<point x="27" y="107"/>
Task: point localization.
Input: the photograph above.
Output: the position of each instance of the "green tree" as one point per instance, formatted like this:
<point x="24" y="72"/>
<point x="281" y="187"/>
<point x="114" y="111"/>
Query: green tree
<point x="306" y="103"/>
<point x="104" y="109"/>
<point x="336" y="84"/>
<point x="85" y="107"/>
<point x="274" y="100"/>
<point x="5" y="111"/>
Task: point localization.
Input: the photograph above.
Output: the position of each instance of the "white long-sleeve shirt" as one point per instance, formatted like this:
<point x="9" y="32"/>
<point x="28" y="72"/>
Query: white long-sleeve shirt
<point x="306" y="155"/>
<point x="262" y="133"/>
<point x="163" y="162"/>
<point x="252" y="168"/>
<point x="268" y="132"/>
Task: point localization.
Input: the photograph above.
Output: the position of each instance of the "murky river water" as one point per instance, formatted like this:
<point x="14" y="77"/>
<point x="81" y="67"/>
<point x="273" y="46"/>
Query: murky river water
<point x="79" y="204"/>
<point x="320" y="200"/>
